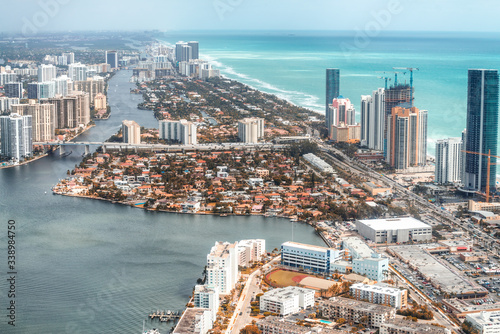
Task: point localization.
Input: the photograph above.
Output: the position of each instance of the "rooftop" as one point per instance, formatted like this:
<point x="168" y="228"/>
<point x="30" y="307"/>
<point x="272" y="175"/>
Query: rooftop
<point x="434" y="270"/>
<point x="358" y="245"/>
<point x="394" y="223"/>
<point x="411" y="326"/>
<point x="221" y="249"/>
<point x="188" y="321"/>
<point x="357" y="304"/>
<point x="378" y="288"/>
<point x="485" y="318"/>
<point x="287" y="292"/>
<point x="304" y="246"/>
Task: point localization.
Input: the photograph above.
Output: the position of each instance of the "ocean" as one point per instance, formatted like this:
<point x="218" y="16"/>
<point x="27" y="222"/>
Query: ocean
<point x="292" y="66"/>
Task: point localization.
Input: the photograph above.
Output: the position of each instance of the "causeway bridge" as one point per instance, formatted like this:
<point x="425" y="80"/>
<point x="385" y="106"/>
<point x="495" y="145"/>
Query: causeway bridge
<point x="159" y="147"/>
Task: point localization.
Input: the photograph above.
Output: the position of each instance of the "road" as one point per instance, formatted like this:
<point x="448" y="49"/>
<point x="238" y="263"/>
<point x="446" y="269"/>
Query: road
<point x="250" y="290"/>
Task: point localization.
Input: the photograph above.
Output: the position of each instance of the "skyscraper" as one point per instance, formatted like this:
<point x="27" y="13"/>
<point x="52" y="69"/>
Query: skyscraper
<point x="111" y="59"/>
<point x="183" y="51"/>
<point x="131" y="132"/>
<point x="406" y="137"/>
<point x="482" y="128"/>
<point x="448" y="160"/>
<point x="63" y="85"/>
<point x="250" y="130"/>
<point x="43" y="119"/>
<point x="14" y="89"/>
<point x="41" y="90"/>
<point x="16" y="136"/>
<point x="365" y="111"/>
<point x="182" y="131"/>
<point x="72" y="110"/>
<point x="340" y="111"/>
<point x="332" y="85"/>
<point x="46" y="73"/>
<point x="70" y="57"/>
<point x="77" y="72"/>
<point x="194" y="49"/>
<point x="373" y="119"/>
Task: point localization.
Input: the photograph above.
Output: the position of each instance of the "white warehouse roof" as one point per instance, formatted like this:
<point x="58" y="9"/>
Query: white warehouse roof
<point x="402" y="223"/>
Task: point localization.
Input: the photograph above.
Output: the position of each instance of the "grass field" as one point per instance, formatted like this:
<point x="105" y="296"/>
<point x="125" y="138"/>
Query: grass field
<point x="285" y="278"/>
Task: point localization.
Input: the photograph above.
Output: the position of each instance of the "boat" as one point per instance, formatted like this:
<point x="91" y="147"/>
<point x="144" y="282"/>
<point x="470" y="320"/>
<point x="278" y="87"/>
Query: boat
<point x="223" y="215"/>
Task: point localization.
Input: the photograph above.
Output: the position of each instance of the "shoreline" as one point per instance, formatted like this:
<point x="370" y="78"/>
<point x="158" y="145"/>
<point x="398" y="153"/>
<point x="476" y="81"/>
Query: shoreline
<point x="26" y="161"/>
<point x="88" y="127"/>
<point x="224" y="76"/>
<point x="179" y="212"/>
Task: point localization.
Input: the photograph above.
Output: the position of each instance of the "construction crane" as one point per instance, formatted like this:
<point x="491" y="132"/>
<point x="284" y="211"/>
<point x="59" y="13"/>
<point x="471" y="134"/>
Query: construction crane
<point x="395" y="77"/>
<point x="411" y="69"/>
<point x="489" y="155"/>
<point x="386" y="78"/>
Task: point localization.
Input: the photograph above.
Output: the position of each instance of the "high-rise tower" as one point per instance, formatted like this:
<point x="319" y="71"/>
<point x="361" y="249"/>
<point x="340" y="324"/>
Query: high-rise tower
<point x="448" y="160"/>
<point x="332" y="85"/>
<point x="482" y="128"/>
<point x="373" y="119"/>
<point x="111" y="59"/>
<point x="406" y="137"/>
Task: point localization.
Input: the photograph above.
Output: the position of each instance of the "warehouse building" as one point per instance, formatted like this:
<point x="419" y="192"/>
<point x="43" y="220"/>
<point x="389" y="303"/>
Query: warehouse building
<point x="394" y="230"/>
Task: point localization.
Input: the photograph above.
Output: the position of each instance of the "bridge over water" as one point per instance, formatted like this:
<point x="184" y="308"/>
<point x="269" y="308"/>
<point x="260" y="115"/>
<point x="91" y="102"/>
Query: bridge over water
<point x="160" y="147"/>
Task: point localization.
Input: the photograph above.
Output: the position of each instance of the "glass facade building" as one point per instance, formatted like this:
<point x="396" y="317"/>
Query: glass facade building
<point x="332" y="85"/>
<point x="482" y="128"/>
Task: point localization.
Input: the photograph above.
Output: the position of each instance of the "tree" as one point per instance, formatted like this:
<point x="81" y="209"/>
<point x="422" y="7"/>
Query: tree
<point x="250" y="329"/>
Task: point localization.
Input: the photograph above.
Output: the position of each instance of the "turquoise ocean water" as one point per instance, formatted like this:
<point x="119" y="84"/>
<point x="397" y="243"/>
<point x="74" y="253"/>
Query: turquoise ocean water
<point x="292" y="65"/>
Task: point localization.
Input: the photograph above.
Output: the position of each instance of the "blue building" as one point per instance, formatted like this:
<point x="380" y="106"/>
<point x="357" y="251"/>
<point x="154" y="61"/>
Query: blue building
<point x="482" y="129"/>
<point x="112" y="59"/>
<point x="332" y="85"/>
<point x="308" y="257"/>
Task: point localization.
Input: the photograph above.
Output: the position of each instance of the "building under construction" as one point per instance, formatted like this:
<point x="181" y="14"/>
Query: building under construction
<point x="399" y="94"/>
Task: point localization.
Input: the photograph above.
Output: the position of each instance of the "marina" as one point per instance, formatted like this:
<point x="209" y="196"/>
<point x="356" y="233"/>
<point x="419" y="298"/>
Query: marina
<point x="165" y="316"/>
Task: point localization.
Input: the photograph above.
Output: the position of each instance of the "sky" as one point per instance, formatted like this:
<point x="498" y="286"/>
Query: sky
<point x="28" y="16"/>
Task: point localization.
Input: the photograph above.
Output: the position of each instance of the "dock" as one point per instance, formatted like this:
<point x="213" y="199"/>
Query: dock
<point x="165" y="316"/>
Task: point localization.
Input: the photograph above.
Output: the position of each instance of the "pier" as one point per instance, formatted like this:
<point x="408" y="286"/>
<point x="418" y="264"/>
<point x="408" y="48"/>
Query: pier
<point x="165" y="316"/>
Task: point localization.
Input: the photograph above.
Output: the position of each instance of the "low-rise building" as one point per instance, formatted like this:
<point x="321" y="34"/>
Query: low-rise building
<point x="394" y="230"/>
<point x="380" y="294"/>
<point x="377" y="189"/>
<point x="308" y="257"/>
<point x="473" y="256"/>
<point x="275" y="325"/>
<point x="410" y="327"/>
<point x="371" y="315"/>
<point x="461" y="307"/>
<point x="374" y="267"/>
<point x="287" y="300"/>
<point x="485" y="322"/>
<point x="318" y="163"/>
<point x="194" y="320"/>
